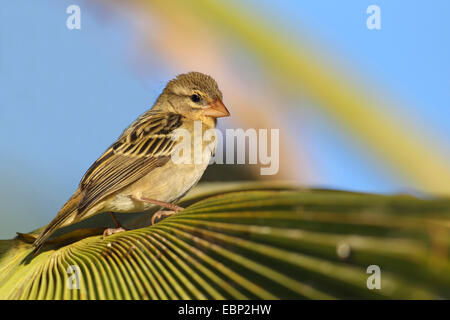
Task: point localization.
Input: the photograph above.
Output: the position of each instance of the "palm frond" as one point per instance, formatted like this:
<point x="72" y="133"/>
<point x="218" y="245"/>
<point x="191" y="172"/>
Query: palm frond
<point x="241" y="243"/>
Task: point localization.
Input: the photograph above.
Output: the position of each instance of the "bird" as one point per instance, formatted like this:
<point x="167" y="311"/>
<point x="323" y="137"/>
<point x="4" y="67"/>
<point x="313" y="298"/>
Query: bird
<point x="137" y="172"/>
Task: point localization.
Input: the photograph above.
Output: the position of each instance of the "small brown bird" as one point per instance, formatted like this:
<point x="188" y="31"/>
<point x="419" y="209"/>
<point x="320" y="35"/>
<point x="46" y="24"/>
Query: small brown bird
<point x="137" y="173"/>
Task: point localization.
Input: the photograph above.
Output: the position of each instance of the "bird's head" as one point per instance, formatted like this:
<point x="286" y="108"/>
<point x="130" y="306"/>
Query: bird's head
<point x="194" y="95"/>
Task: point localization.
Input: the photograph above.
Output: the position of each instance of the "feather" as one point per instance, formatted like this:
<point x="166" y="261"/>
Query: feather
<point x="135" y="154"/>
<point x="144" y="146"/>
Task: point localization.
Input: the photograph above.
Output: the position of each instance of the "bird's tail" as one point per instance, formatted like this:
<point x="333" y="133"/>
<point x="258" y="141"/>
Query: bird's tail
<point x="67" y="212"/>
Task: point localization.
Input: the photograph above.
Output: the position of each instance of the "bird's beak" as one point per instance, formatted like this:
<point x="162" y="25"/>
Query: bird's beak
<point x="216" y="109"/>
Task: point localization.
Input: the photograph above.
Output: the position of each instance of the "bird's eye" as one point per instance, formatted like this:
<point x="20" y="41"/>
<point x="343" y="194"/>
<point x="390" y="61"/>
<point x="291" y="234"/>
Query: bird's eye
<point x="195" y="98"/>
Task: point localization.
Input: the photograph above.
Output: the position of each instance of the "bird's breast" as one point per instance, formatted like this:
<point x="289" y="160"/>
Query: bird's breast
<point x="167" y="183"/>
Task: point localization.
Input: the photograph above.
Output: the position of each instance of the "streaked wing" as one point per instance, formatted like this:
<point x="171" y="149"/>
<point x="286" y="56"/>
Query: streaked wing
<point x="145" y="145"/>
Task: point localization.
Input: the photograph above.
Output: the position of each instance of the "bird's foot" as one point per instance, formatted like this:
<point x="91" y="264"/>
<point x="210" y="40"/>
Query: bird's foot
<point x="173" y="208"/>
<point x="164" y="214"/>
<point x="111" y="231"/>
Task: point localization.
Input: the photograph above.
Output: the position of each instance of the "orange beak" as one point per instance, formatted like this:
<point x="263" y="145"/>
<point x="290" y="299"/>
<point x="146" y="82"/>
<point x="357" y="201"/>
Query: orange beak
<point x="216" y="109"/>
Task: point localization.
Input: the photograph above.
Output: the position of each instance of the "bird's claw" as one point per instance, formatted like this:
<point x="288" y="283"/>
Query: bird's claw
<point x="111" y="231"/>
<point x="163" y="214"/>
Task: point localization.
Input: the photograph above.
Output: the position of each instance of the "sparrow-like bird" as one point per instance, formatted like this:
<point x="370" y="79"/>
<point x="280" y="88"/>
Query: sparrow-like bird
<point x="137" y="172"/>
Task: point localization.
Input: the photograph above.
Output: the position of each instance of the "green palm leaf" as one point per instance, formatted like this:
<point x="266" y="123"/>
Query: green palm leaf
<point x="247" y="242"/>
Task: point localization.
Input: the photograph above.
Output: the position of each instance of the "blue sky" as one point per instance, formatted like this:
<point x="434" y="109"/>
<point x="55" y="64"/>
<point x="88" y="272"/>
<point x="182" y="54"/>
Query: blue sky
<point x="408" y="59"/>
<point x="409" y="56"/>
<point x="66" y="95"/>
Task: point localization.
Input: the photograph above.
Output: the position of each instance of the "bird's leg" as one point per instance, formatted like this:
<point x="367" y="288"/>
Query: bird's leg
<point x="114" y="218"/>
<point x="117" y="229"/>
<point x="173" y="208"/>
<point x="163" y="204"/>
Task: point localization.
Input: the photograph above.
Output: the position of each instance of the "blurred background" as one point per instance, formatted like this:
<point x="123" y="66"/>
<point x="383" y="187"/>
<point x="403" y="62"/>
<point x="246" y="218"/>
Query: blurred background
<point x="357" y="109"/>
